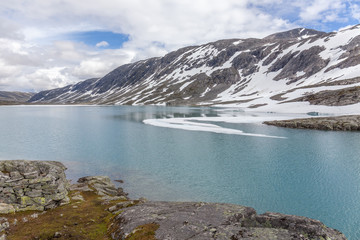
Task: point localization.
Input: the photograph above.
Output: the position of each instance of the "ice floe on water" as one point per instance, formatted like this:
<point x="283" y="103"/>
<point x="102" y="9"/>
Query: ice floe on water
<point x="198" y="124"/>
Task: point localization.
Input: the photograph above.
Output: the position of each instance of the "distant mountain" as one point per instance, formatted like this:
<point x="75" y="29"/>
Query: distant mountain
<point x="14" y="97"/>
<point x="275" y="71"/>
<point x="68" y="94"/>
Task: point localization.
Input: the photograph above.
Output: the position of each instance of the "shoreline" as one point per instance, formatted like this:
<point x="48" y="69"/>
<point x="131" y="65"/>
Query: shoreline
<point x="336" y="123"/>
<point x="316" y="120"/>
<point x="95" y="204"/>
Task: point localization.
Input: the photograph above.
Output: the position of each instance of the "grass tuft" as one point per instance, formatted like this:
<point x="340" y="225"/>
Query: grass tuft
<point x="144" y="232"/>
<point x="78" y="220"/>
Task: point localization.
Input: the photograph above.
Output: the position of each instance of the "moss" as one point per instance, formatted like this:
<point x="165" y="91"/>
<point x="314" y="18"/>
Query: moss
<point x="144" y="232"/>
<point x="39" y="200"/>
<point x="40" y="180"/>
<point x="25" y="200"/>
<point x="267" y="224"/>
<point x="78" y="220"/>
<point x="30" y="208"/>
<point x="305" y="235"/>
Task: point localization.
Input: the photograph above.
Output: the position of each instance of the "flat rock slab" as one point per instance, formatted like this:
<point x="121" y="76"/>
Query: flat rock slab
<point x="6" y="208"/>
<point x="340" y="123"/>
<point x="217" y="221"/>
<point x="101" y="185"/>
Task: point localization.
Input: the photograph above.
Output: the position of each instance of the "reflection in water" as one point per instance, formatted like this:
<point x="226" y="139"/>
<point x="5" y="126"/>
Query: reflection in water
<point x="170" y="112"/>
<point x="311" y="173"/>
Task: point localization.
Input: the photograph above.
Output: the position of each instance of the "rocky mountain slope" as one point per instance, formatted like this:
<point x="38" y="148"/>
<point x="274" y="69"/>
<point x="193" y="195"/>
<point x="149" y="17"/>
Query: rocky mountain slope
<point x="14" y="97"/>
<point x="270" y="74"/>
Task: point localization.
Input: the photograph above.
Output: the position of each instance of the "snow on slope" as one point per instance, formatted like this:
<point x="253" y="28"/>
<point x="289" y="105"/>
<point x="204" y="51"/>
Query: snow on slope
<point x="262" y="74"/>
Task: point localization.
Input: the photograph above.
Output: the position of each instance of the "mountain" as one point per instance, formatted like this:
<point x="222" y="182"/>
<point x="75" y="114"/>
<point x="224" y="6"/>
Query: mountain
<point x="14" y="97"/>
<point x="270" y="73"/>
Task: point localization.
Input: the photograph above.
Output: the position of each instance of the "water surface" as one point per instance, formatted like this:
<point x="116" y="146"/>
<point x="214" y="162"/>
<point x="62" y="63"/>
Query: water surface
<point x="308" y="173"/>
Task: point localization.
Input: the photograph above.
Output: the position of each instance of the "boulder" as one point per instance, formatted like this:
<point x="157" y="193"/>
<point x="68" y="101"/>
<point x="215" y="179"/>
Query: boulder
<point x="190" y="220"/>
<point x="6" y="208"/>
<point x="101" y="185"/>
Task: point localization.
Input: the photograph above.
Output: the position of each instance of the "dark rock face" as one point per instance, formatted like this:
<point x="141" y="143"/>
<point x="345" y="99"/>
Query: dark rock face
<point x="342" y="97"/>
<point x="307" y="61"/>
<point x="295" y="33"/>
<point x="341" y="123"/>
<point x="32" y="185"/>
<point x="217" y="221"/>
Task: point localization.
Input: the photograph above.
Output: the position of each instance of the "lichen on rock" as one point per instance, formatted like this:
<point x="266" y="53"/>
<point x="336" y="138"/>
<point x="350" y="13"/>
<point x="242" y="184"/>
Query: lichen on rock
<point x="32" y="185"/>
<point x="191" y="220"/>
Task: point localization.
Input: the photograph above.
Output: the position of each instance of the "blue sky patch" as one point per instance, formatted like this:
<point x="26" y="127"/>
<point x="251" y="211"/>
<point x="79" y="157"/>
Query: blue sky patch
<point x="100" y="39"/>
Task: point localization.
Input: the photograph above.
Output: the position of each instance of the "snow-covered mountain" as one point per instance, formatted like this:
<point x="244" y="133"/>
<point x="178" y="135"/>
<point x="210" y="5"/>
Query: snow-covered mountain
<point x="301" y="67"/>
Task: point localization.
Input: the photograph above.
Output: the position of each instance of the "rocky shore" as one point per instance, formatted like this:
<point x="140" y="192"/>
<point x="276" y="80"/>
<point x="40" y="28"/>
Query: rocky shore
<point x="339" y="123"/>
<point x="197" y="220"/>
<point x="93" y="208"/>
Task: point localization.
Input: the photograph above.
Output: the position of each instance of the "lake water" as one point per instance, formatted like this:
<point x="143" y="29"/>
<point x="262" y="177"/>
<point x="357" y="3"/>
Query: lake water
<point x="309" y="173"/>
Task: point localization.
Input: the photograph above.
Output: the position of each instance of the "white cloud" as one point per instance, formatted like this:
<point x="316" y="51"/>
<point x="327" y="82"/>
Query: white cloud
<point x="355" y="11"/>
<point x="102" y="44"/>
<point x="168" y="21"/>
<point x="34" y="68"/>
<point x="38" y="56"/>
<point x="328" y="10"/>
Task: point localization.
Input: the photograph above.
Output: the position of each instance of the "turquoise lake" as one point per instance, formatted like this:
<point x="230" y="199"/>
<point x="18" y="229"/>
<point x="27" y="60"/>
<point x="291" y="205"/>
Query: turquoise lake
<point x="308" y="173"/>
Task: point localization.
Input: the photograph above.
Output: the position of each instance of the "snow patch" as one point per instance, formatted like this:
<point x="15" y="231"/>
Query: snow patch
<point x="238" y="42"/>
<point x="187" y="124"/>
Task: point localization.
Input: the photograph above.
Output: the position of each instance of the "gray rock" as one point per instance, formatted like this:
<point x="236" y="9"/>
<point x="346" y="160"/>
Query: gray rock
<point x="120" y="205"/>
<point x="78" y="197"/>
<point x="341" y="97"/>
<point x="6" y="208"/>
<point x="217" y="221"/>
<point x="4" y="224"/>
<point x="339" y="123"/>
<point x="34" y="193"/>
<point x="102" y="186"/>
<point x="33" y="185"/>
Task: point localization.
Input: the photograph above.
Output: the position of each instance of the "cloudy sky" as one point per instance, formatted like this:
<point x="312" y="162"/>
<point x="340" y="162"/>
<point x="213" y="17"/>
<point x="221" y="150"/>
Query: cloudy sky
<point x="51" y="43"/>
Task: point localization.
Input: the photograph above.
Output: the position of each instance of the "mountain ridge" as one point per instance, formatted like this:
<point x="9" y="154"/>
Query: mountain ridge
<point x="247" y="73"/>
<point x="8" y="97"/>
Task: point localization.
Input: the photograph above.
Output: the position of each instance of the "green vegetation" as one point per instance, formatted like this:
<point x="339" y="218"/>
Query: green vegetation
<point x="144" y="232"/>
<point x="87" y="219"/>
